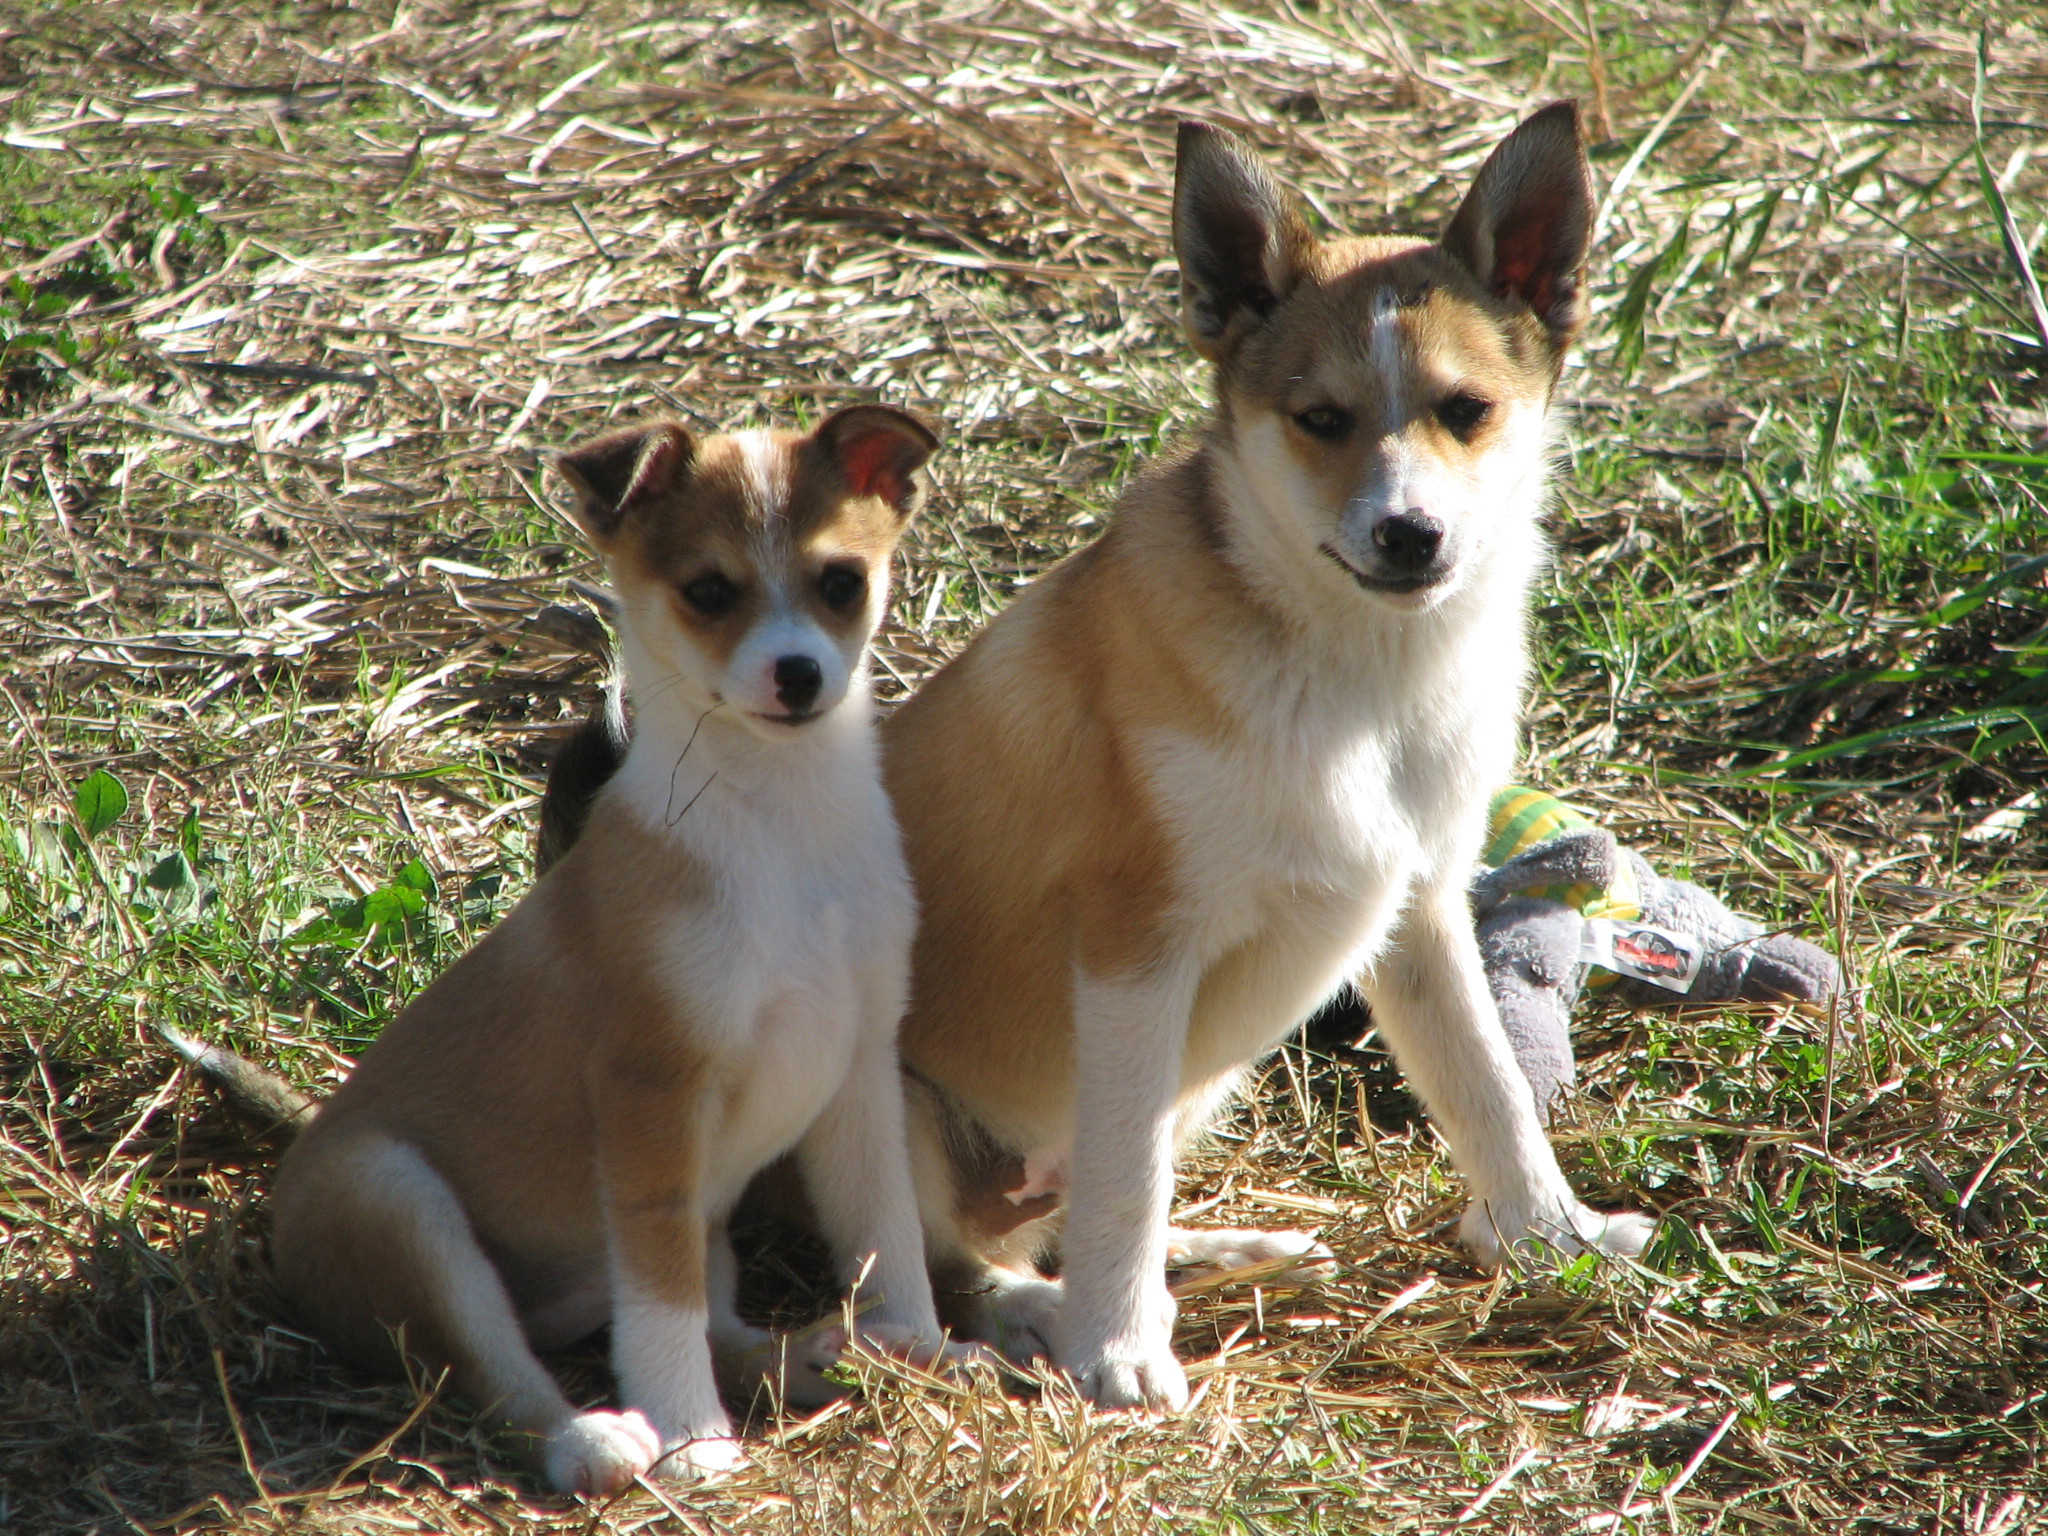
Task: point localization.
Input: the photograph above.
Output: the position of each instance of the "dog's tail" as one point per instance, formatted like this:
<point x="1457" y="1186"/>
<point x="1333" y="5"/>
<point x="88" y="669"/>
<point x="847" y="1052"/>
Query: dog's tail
<point x="583" y="766"/>
<point x="256" y="1093"/>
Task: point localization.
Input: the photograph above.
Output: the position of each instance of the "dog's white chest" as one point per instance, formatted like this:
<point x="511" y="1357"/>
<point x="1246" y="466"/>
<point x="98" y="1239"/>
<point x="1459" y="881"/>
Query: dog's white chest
<point x="1258" y="827"/>
<point x="804" y="947"/>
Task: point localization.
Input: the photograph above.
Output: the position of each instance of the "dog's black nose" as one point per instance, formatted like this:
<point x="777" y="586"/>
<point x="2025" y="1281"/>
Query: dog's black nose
<point x="797" y="681"/>
<point x="1409" y="540"/>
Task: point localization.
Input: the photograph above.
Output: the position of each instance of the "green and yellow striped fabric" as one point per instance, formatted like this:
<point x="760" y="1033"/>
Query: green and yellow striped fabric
<point x="1520" y="817"/>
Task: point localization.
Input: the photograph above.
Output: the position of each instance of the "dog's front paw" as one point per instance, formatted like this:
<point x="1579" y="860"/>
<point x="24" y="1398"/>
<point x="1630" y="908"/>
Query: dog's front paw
<point x="1495" y="1230"/>
<point x="601" y="1453"/>
<point x="1301" y="1255"/>
<point x="702" y="1460"/>
<point x="1129" y="1374"/>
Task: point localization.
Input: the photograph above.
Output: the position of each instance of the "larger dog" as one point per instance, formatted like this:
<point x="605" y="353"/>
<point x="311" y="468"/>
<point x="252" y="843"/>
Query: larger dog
<point x="1236" y="754"/>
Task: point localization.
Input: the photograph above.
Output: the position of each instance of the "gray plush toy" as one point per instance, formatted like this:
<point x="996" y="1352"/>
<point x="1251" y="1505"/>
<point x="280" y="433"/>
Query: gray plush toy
<point x="1565" y="907"/>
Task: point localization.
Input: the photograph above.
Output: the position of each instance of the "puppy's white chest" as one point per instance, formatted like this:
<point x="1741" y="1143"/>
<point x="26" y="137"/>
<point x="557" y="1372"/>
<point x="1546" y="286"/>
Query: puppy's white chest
<point x="808" y="949"/>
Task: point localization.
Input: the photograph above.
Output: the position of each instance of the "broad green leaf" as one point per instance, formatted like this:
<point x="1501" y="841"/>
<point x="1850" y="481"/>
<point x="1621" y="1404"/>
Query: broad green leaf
<point x="415" y="876"/>
<point x="99" y="802"/>
<point x="393" y="904"/>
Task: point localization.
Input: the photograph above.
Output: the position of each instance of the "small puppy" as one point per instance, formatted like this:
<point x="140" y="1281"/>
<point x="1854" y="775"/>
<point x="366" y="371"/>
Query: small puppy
<point x="552" y="1135"/>
<point x="1236" y="755"/>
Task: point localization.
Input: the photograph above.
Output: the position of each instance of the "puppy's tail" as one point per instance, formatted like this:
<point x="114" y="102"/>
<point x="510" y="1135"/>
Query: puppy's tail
<point x="257" y="1094"/>
<point x="583" y="766"/>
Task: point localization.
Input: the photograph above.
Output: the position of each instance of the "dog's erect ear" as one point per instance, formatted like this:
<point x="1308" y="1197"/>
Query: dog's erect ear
<point x="1524" y="227"/>
<point x="614" y="473"/>
<point x="878" y="452"/>
<point x="1237" y="234"/>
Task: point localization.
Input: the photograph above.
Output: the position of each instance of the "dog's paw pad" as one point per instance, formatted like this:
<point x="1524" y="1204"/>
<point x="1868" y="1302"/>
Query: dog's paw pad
<point x="601" y="1453"/>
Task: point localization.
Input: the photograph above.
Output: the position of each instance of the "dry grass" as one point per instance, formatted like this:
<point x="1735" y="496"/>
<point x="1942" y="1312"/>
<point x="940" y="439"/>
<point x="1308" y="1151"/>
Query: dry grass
<point x="292" y="298"/>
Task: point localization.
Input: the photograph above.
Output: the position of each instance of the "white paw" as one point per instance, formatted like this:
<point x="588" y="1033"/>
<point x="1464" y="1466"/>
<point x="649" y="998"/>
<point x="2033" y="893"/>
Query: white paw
<point x="1303" y="1256"/>
<point x="601" y="1453"/>
<point x="791" y="1365"/>
<point x="702" y="1460"/>
<point x="1018" y="1316"/>
<point x="1492" y="1230"/>
<point x="914" y="1346"/>
<point x="1128" y="1374"/>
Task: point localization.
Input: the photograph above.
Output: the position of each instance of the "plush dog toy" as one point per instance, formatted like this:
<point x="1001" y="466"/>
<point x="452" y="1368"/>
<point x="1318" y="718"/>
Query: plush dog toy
<point x="1564" y="908"/>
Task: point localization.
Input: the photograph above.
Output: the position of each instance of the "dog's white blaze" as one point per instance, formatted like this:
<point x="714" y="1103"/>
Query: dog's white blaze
<point x="1384" y="347"/>
<point x="767" y="465"/>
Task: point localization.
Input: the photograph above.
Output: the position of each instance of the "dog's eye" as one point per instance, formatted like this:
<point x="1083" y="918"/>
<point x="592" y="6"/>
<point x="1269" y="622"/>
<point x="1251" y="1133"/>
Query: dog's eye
<point x="712" y="595"/>
<point x="842" y="586"/>
<point x="1463" y="414"/>
<point x="1329" y="422"/>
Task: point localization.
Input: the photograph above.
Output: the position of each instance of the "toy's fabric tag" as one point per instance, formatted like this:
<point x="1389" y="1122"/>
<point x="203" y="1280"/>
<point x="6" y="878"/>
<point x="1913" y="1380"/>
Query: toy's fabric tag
<point x="1660" y="956"/>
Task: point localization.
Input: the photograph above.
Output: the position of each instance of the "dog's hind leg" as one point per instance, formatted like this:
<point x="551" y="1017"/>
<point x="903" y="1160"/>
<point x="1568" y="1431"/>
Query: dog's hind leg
<point x="1282" y="1255"/>
<point x="373" y="1242"/>
<point x="1429" y="996"/>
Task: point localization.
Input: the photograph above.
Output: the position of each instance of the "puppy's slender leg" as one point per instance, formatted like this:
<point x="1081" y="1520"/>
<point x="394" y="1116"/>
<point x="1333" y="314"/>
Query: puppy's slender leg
<point x="651" y="1166"/>
<point x="429" y="1269"/>
<point x="856" y="1165"/>
<point x="1429" y="997"/>
<point x="1116" y="1329"/>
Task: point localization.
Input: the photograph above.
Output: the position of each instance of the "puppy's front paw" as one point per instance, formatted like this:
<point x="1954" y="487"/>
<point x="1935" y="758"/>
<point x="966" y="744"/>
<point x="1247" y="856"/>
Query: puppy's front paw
<point x="704" y="1460"/>
<point x="1128" y="1374"/>
<point x="1494" y="1230"/>
<point x="601" y="1453"/>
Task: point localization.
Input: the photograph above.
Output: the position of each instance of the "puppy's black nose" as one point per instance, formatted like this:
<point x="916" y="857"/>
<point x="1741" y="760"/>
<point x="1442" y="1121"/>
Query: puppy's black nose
<point x="1409" y="539"/>
<point x="797" y="681"/>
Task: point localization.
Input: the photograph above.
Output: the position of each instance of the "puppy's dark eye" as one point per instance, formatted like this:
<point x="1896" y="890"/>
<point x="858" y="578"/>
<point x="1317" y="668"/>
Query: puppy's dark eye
<point x="1463" y="414"/>
<point x="843" y="586"/>
<point x="712" y="595"/>
<point x="1331" y="423"/>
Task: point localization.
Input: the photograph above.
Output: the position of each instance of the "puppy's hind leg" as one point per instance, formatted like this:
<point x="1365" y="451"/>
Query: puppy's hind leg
<point x="372" y="1240"/>
<point x="1287" y="1255"/>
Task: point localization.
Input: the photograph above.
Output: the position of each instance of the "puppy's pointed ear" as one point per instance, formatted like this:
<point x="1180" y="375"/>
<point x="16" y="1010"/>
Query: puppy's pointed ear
<point x="1524" y="227"/>
<point x="619" y="471"/>
<point x="878" y="452"/>
<point x="1240" y="241"/>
